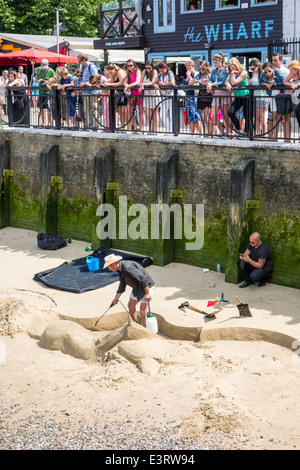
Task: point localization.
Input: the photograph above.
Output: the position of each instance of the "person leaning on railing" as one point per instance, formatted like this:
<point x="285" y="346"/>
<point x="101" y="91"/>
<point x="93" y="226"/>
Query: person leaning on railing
<point x="293" y="80"/>
<point x="2" y="94"/>
<point x="222" y="98"/>
<point x="150" y="97"/>
<point x="261" y="99"/>
<point x="89" y="96"/>
<point x="43" y="73"/>
<point x="20" y="101"/>
<point x="238" y="76"/>
<point x="115" y="78"/>
<point x="193" y="113"/>
<point x="271" y="77"/>
<point x="131" y="82"/>
<point x="204" y="100"/>
<point x="165" y="78"/>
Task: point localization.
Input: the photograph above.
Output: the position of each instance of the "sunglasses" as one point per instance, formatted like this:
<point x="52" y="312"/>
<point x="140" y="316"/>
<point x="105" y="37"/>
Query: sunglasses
<point x="269" y="71"/>
<point x="148" y="68"/>
<point x="253" y="68"/>
<point x="79" y="75"/>
<point x="93" y="83"/>
<point x="129" y="65"/>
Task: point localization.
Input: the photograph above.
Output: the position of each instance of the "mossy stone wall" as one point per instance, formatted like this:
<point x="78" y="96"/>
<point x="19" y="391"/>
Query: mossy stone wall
<point x="204" y="174"/>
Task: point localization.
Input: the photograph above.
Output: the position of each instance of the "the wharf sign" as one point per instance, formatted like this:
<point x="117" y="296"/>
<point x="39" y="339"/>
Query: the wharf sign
<point x="229" y="32"/>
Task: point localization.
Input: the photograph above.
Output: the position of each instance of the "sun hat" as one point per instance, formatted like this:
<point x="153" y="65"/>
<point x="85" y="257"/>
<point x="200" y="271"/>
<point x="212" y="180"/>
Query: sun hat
<point x="44" y="63"/>
<point x="110" y="259"/>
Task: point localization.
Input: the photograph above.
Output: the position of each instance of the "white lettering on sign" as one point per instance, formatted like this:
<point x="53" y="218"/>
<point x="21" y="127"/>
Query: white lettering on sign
<point x="230" y="32"/>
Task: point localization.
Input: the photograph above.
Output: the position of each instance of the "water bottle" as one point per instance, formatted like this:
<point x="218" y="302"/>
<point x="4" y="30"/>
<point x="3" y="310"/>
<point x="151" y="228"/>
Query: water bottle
<point x="151" y="323"/>
<point x="88" y="248"/>
<point x="218" y="268"/>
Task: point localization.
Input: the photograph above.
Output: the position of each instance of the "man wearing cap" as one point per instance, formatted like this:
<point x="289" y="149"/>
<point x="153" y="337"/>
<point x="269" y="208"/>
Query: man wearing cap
<point x="43" y="74"/>
<point x="134" y="275"/>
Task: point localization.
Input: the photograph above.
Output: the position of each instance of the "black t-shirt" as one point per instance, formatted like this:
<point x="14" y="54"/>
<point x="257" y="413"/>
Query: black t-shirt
<point x="261" y="252"/>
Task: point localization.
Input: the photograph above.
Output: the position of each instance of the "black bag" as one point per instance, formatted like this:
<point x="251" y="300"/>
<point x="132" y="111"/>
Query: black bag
<point x="284" y="104"/>
<point x="121" y="98"/>
<point x="204" y="99"/>
<point x="49" y="242"/>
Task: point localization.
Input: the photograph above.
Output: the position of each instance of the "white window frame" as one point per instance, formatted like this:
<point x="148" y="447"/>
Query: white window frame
<point x="183" y="11"/>
<point x="165" y="28"/>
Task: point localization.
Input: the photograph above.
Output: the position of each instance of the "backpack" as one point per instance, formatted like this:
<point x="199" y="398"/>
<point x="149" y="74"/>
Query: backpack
<point x="49" y="242"/>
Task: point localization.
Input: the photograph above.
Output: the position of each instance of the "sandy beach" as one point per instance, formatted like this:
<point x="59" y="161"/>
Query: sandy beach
<point x="148" y="392"/>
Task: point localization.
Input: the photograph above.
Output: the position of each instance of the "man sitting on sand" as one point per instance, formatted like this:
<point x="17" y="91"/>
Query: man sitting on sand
<point x="135" y="276"/>
<point x="259" y="266"/>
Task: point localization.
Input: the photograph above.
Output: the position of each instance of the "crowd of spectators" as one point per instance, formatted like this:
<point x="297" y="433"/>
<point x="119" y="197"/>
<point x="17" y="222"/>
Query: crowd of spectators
<point x="215" y="99"/>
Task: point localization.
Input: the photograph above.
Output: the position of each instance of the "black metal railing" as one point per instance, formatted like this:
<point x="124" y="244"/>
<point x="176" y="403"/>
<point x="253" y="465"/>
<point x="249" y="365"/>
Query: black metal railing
<point x="174" y="111"/>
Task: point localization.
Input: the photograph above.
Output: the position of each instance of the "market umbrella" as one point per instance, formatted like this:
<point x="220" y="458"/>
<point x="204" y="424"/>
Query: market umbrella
<point x="32" y="55"/>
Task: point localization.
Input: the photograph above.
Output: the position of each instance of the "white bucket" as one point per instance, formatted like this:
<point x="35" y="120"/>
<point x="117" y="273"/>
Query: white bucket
<point x="151" y="324"/>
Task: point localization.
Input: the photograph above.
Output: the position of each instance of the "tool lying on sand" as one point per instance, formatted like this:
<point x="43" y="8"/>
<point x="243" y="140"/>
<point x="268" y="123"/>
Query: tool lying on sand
<point x="186" y="304"/>
<point x="210" y="303"/>
<point x="182" y="307"/>
<point x="206" y="315"/>
<point x="243" y="309"/>
<point x="212" y="314"/>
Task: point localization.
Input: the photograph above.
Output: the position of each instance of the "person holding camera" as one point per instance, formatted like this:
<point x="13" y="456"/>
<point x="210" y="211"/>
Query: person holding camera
<point x="43" y="74"/>
<point x="256" y="263"/>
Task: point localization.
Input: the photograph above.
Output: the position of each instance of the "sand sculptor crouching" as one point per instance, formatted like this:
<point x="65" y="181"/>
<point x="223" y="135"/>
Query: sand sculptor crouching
<point x="256" y="263"/>
<point x="135" y="276"/>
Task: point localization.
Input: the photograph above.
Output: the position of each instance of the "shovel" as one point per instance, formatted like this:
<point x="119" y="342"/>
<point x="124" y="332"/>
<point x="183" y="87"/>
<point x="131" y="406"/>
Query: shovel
<point x="243" y="309"/>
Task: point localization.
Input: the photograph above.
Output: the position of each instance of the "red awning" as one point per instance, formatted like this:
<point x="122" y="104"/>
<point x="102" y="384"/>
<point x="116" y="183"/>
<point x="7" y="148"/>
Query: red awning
<point x="32" y="55"/>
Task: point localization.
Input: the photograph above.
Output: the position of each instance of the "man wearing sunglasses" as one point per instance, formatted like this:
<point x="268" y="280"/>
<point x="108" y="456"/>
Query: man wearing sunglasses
<point x="255" y="264"/>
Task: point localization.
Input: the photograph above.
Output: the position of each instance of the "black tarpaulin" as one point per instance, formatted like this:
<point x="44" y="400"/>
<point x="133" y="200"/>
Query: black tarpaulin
<point x="76" y="277"/>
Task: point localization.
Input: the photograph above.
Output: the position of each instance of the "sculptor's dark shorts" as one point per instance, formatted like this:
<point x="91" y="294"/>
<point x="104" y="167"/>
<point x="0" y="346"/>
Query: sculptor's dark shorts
<point x="43" y="102"/>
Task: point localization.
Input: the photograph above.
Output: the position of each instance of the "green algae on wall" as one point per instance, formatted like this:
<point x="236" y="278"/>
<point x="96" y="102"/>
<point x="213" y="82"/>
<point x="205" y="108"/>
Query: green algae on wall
<point x="24" y="209"/>
<point x="281" y="233"/>
<point x="214" y="249"/>
<point x="76" y="218"/>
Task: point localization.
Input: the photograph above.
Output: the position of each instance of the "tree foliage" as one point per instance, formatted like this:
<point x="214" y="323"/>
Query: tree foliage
<point x="81" y="17"/>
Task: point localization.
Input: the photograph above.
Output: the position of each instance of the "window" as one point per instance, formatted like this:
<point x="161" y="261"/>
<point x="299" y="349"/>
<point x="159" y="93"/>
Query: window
<point x="191" y="6"/>
<point x="164" y="16"/>
<point x="227" y="4"/>
<point x="255" y="3"/>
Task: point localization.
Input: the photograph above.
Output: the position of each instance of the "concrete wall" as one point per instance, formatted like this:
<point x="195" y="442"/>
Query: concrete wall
<point x="243" y="186"/>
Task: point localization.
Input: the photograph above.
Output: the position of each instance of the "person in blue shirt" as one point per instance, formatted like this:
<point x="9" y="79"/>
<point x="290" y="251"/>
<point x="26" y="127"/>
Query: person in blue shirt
<point x="66" y="83"/>
<point x="193" y="113"/>
<point x="271" y="77"/>
<point x="222" y="98"/>
<point x="89" y="96"/>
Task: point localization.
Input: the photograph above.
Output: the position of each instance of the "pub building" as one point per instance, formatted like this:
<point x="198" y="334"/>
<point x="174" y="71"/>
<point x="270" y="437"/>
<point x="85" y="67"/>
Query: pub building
<point x="177" y="30"/>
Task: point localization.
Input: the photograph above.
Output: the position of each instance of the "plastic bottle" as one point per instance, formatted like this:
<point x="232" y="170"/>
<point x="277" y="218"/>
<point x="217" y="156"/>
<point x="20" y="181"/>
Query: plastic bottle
<point x="218" y="268"/>
<point x="88" y="248"/>
<point x="151" y="323"/>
